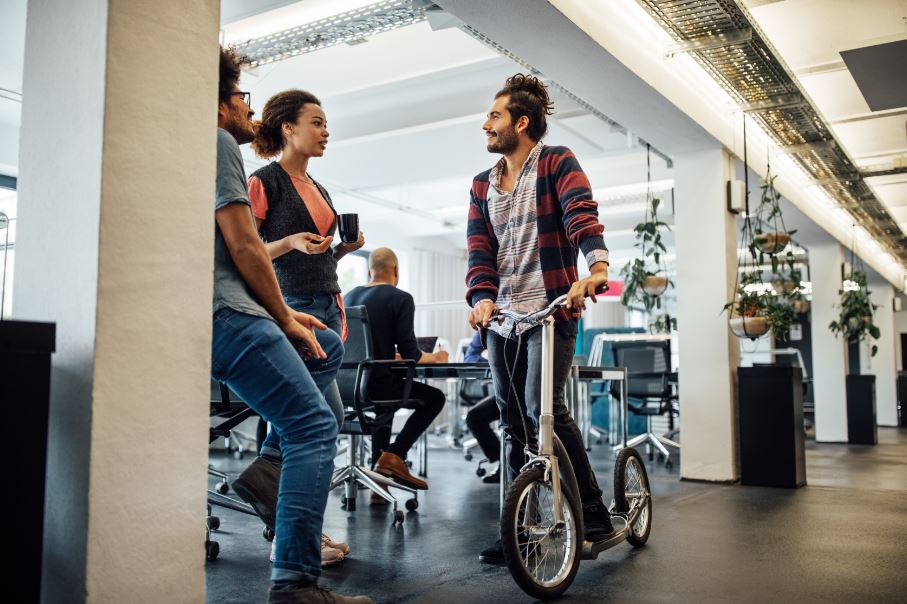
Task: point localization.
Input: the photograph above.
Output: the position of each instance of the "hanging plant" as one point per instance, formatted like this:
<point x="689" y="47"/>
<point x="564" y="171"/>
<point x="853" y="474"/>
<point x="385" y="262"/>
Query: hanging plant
<point x="756" y="309"/>
<point x="645" y="278"/>
<point x="770" y="235"/>
<point x="855" y="321"/>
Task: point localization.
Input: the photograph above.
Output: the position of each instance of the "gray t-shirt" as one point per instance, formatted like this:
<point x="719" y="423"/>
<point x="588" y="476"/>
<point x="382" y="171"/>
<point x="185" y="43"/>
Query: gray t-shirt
<point x="230" y="290"/>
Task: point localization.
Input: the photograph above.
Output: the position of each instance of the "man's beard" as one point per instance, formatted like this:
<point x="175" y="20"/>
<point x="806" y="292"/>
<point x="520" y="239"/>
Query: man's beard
<point x="505" y="142"/>
<point x="241" y="128"/>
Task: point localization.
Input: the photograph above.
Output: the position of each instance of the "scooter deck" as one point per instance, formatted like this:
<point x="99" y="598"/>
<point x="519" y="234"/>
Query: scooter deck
<point x="591" y="549"/>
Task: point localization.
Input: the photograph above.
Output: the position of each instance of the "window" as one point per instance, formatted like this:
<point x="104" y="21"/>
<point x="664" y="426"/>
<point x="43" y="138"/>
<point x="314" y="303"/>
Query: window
<point x="7" y="243"/>
<point x="352" y="271"/>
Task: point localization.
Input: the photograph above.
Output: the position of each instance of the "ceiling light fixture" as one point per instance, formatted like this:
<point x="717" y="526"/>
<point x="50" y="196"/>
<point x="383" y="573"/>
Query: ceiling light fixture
<point x="352" y="26"/>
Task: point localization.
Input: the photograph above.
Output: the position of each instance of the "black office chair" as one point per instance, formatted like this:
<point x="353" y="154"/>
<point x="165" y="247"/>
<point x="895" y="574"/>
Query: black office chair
<point x="364" y="414"/>
<point x="650" y="390"/>
<point x="227" y="407"/>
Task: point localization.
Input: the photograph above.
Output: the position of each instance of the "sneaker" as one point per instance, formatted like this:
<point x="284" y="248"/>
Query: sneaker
<point x="311" y="594"/>
<point x="329" y="555"/>
<point x="258" y="485"/>
<point x="394" y="467"/>
<point x="343" y="547"/>
<point x="597" y="521"/>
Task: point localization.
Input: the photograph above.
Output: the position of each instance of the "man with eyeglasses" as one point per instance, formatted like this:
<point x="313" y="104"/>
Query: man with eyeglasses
<point x="258" y="349"/>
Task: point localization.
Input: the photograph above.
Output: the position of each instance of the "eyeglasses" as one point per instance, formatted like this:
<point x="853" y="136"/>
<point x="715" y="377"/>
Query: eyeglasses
<point x="246" y="96"/>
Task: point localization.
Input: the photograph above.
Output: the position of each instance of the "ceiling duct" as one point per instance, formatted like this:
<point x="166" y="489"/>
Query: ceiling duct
<point x="720" y="35"/>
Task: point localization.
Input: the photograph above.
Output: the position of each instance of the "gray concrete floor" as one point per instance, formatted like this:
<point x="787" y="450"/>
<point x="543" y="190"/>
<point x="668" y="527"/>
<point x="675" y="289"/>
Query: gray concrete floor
<point x="842" y="538"/>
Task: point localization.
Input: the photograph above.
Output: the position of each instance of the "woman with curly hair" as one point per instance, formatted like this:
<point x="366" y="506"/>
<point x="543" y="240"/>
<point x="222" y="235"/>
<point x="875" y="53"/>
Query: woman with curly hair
<point x="297" y="221"/>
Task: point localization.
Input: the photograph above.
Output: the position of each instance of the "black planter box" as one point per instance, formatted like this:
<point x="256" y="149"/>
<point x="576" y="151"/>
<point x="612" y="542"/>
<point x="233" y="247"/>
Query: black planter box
<point x="770" y="416"/>
<point x="25" y="350"/>
<point x="861" y="410"/>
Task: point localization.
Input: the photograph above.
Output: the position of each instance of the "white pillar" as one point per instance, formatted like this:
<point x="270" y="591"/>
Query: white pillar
<point x="829" y="350"/>
<point x="882" y="365"/>
<point x="709" y="353"/>
<point x="115" y="245"/>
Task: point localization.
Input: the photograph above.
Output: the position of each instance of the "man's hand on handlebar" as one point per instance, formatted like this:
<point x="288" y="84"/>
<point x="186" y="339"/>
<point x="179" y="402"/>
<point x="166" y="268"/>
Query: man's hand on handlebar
<point x="481" y="313"/>
<point x="596" y="282"/>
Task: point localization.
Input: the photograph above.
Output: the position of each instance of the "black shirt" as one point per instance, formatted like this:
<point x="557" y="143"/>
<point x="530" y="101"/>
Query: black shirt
<point x="390" y="314"/>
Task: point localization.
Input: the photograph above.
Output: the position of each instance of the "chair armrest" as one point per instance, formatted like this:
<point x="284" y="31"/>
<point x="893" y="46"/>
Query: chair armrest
<point x="361" y="387"/>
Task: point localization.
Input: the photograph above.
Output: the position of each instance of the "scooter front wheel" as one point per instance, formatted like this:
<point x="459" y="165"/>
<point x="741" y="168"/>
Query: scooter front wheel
<point x="631" y="488"/>
<point x="542" y="555"/>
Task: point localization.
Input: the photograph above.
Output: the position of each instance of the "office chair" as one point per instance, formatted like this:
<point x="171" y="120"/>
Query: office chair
<point x="363" y="413"/>
<point x="227" y="407"/>
<point x="649" y="388"/>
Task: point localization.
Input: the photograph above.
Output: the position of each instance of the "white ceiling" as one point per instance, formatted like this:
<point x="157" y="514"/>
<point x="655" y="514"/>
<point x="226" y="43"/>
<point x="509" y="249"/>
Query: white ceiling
<point x="405" y="111"/>
<point x="873" y="140"/>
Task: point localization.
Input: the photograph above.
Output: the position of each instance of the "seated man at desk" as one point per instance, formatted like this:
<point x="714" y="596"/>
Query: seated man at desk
<point x="391" y="311"/>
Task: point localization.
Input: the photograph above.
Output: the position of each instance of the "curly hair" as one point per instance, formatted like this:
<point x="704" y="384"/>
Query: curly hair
<point x="230" y="65"/>
<point x="280" y="109"/>
<point x="528" y="96"/>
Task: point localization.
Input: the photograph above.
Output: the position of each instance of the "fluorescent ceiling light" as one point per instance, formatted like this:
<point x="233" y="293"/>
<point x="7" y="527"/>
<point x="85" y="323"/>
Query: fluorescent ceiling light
<point x="286" y="17"/>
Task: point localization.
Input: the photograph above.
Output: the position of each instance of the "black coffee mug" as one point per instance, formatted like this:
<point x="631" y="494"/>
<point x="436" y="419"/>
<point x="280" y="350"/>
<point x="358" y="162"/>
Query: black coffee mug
<point x="348" y="224"/>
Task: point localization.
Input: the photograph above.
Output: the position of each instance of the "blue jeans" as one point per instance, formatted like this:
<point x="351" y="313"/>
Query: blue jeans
<point x="324" y="308"/>
<point x="257" y="361"/>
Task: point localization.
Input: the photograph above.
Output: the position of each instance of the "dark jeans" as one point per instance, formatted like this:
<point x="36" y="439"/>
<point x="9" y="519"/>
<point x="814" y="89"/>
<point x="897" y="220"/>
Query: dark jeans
<point x="257" y="361"/>
<point x="479" y="421"/>
<point x="417" y="423"/>
<point x="519" y="399"/>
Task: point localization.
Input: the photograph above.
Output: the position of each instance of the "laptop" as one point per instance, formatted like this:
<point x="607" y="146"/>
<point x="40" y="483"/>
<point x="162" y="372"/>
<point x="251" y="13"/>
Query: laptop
<point x="427" y="344"/>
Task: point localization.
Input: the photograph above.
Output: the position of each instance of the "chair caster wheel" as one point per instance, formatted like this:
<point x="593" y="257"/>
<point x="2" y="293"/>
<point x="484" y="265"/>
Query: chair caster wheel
<point x="213" y="522"/>
<point x="480" y="472"/>
<point x="456" y="442"/>
<point x="238" y="454"/>
<point x="212" y="550"/>
<point x="412" y="504"/>
<point x="468" y="457"/>
<point x="267" y="533"/>
<point x="222" y="487"/>
<point x="398" y="515"/>
<point x="669" y="464"/>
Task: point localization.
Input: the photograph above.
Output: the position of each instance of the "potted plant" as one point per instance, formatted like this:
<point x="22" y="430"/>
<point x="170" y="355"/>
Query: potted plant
<point x="855" y="320"/>
<point x="770" y="234"/>
<point x="663" y="323"/>
<point x="747" y="310"/>
<point x="645" y="278"/>
<point x="754" y="312"/>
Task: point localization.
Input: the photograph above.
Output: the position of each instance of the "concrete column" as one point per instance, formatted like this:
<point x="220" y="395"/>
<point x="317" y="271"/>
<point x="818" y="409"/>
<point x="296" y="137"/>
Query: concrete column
<point x="709" y="353"/>
<point x="829" y="350"/>
<point x="883" y="364"/>
<point x="115" y="238"/>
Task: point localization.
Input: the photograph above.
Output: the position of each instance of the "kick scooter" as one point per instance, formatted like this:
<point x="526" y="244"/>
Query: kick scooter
<point x="542" y="519"/>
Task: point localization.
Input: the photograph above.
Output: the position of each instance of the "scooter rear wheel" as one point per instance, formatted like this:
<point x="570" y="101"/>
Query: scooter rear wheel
<point x="631" y="485"/>
<point x="543" y="558"/>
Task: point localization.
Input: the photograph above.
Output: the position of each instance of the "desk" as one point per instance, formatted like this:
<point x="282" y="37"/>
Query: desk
<point x="447" y="371"/>
<point x="582" y="406"/>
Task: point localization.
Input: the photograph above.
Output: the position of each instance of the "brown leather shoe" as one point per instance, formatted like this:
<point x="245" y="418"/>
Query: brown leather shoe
<point x="394" y="467"/>
<point x="377" y="499"/>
